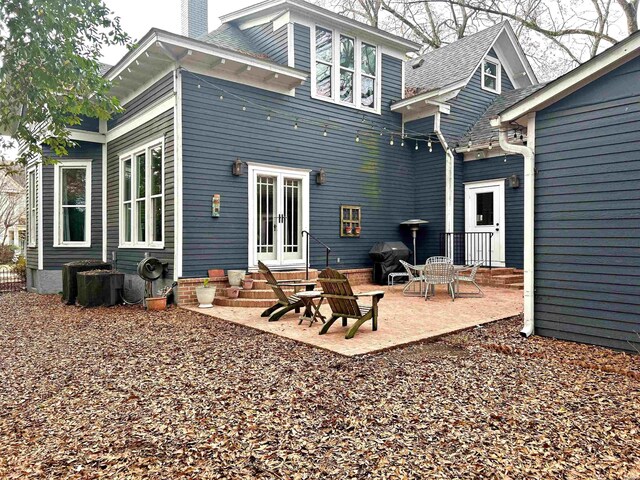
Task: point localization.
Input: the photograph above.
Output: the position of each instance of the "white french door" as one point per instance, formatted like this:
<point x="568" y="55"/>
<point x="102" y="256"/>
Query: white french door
<point x="484" y="213"/>
<point x="278" y="213"/>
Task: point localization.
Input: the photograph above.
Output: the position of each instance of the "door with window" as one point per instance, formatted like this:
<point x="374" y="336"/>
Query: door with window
<point x="484" y="215"/>
<point x="278" y="213"/>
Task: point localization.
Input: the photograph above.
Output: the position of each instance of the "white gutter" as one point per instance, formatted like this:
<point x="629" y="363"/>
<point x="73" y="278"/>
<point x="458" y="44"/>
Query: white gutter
<point x="528" y="152"/>
<point x="449" y="177"/>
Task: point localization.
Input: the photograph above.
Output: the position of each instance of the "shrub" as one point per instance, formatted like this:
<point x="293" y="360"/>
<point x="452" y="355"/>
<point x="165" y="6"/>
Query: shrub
<point x="6" y="254"/>
<point x="21" y="265"/>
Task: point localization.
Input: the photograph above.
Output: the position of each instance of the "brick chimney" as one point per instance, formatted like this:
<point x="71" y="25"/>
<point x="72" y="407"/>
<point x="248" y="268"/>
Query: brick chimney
<point x="195" y="22"/>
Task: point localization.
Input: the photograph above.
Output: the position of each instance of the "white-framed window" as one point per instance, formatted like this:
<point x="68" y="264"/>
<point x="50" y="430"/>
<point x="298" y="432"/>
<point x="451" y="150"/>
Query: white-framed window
<point x="72" y="203"/>
<point x="345" y="70"/>
<point x="32" y="208"/>
<point x="491" y="75"/>
<point x="142" y="197"/>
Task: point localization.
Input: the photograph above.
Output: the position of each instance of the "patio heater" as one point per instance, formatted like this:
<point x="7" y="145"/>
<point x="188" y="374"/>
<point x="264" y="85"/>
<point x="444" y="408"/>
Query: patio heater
<point x="414" y="226"/>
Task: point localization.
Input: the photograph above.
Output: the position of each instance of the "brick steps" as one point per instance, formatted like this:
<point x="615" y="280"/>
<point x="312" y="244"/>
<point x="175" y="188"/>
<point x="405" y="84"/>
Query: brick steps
<point x="288" y="275"/>
<point x="243" y="302"/>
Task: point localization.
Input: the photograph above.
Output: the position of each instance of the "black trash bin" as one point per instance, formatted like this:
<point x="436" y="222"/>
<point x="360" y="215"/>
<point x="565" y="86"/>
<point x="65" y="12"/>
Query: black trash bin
<point x="386" y="258"/>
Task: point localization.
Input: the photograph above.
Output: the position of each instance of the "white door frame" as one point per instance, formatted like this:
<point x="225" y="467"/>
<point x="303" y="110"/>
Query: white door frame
<point x="499" y="259"/>
<point x="255" y="169"/>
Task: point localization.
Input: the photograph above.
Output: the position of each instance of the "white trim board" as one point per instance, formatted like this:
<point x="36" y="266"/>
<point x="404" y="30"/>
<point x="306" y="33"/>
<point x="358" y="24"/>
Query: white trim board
<point x="158" y="108"/>
<point x="177" y="176"/>
<point x="586" y="73"/>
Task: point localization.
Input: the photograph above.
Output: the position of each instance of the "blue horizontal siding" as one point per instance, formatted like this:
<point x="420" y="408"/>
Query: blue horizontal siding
<point x="587" y="223"/>
<point x="370" y="173"/>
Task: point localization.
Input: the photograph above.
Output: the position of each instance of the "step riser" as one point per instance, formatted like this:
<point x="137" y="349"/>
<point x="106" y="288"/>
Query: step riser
<point x="243" y="302"/>
<point x="291" y="275"/>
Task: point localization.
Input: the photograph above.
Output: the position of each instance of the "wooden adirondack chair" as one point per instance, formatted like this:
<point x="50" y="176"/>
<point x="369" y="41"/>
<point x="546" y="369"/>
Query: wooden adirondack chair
<point x="344" y="303"/>
<point x="285" y="303"/>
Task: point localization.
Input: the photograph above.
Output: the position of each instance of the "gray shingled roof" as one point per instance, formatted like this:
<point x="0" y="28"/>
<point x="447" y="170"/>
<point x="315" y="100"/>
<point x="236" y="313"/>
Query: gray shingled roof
<point x="231" y="37"/>
<point x="482" y="131"/>
<point x="450" y="64"/>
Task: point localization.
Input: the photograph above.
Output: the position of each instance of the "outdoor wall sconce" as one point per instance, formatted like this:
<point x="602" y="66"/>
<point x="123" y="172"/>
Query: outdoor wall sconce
<point x="514" y="181"/>
<point x="321" y="177"/>
<point x="236" y="167"/>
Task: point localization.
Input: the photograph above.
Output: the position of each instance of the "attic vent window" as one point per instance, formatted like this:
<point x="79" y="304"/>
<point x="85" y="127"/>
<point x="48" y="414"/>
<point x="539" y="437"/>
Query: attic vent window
<point x="418" y="63"/>
<point x="491" y="75"/>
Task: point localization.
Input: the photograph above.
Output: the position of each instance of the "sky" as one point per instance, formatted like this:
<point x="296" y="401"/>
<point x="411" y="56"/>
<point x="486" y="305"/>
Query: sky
<point x="138" y="16"/>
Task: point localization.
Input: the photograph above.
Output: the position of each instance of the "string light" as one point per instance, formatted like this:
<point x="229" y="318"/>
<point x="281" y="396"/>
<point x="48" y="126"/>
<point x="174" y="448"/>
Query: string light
<point x="429" y="143"/>
<point x="490" y="143"/>
<point x="469" y="146"/>
<point x="402" y="141"/>
<point x="378" y="127"/>
<point x="357" y="137"/>
<point x="391" y="141"/>
<point x="430" y="148"/>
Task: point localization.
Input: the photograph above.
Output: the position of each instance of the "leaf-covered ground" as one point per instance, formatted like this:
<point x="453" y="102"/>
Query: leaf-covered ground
<point x="122" y="393"/>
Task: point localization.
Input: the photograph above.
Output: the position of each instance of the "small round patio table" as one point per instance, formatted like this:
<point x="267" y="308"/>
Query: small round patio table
<point x="311" y="308"/>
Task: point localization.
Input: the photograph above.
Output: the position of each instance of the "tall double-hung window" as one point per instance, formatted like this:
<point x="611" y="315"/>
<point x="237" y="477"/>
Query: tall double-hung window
<point x="491" y="75"/>
<point x="142" y="197"/>
<point x="72" y="207"/>
<point x="346" y="70"/>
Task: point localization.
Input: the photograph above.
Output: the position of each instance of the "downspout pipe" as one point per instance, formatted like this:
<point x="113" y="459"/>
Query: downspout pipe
<point x="528" y="152"/>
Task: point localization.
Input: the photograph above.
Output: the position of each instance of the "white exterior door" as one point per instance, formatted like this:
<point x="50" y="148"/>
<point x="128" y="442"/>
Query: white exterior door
<point x="278" y="213"/>
<point x="484" y="213"/>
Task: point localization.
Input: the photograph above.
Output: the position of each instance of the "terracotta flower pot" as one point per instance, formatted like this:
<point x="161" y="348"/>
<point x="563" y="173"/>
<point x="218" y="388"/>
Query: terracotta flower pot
<point x="247" y="283"/>
<point x="156" y="303"/>
<point x="216" y="272"/>
<point x="358" y="229"/>
<point x="233" y="292"/>
<point x="348" y="230"/>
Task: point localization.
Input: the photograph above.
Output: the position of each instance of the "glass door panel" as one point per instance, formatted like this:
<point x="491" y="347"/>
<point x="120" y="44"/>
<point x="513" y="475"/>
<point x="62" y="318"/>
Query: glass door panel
<point x="266" y="218"/>
<point x="292" y="219"/>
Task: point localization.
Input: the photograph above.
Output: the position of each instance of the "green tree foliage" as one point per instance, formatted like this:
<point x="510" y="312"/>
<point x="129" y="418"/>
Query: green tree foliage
<point x="50" y="70"/>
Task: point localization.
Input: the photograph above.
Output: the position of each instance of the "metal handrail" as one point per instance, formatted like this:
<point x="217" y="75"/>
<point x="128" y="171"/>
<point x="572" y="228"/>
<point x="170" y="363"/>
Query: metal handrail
<point x="468" y="247"/>
<point x="327" y="249"/>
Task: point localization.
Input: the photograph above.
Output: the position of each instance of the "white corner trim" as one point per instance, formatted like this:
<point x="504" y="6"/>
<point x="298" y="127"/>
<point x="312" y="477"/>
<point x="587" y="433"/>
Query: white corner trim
<point x="291" y="45"/>
<point x="104" y="202"/>
<point x="158" y="108"/>
<point x="57" y="203"/>
<point x="86" y="136"/>
<point x="177" y="177"/>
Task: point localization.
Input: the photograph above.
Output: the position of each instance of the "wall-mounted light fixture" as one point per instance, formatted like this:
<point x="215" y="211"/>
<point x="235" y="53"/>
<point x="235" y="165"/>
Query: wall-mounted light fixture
<point x="514" y="181"/>
<point x="321" y="177"/>
<point x="236" y="167"/>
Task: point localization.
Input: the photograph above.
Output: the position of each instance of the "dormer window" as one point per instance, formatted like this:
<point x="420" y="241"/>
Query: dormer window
<point x="491" y="73"/>
<point x="346" y="70"/>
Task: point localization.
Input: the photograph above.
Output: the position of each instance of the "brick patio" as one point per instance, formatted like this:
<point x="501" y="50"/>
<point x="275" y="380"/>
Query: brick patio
<point x="403" y="320"/>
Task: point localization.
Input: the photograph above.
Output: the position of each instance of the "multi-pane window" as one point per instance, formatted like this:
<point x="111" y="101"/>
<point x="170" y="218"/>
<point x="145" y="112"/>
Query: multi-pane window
<point x="72" y="185"/>
<point x="491" y="76"/>
<point x="32" y="210"/>
<point x="324" y="62"/>
<point x="142" y="197"/>
<point x="346" y="69"/>
<point x="368" y="76"/>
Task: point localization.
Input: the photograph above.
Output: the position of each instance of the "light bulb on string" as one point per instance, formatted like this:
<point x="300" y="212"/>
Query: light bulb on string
<point x="221" y="97"/>
<point x="244" y="108"/>
<point x="402" y="141"/>
<point x="268" y="117"/>
<point x="295" y="125"/>
<point x="416" y="145"/>
<point x="357" y="137"/>
<point x="324" y="133"/>
<point x="391" y="141"/>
